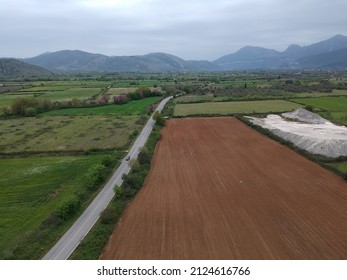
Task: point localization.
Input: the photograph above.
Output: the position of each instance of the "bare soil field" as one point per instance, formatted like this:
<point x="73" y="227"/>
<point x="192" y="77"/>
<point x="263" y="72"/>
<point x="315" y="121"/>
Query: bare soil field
<point x="220" y="190"/>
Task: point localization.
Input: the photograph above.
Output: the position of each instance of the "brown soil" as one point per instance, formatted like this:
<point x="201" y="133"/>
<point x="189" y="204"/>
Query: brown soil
<point x="220" y="190"/>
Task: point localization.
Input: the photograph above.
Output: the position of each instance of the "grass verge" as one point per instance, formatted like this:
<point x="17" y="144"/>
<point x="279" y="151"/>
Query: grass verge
<point x="93" y="244"/>
<point x="33" y="193"/>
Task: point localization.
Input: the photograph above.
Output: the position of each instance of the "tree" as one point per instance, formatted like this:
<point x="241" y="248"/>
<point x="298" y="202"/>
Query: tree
<point x="159" y="119"/>
<point x="120" y="99"/>
<point x="107" y="161"/>
<point x="150" y="108"/>
<point x="144" y="91"/>
<point x="68" y="207"/>
<point x="19" y="105"/>
<point x="144" y="157"/>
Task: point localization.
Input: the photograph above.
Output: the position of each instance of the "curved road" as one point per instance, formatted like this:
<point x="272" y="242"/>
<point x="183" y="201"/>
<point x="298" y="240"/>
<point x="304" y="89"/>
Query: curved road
<point x="70" y="240"/>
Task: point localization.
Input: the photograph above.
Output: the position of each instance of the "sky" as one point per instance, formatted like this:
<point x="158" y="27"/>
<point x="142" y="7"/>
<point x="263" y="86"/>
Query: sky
<point x="190" y="29"/>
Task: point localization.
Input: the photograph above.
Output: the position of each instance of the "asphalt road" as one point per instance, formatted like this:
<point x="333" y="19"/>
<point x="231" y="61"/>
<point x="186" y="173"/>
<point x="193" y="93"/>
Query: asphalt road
<point x="70" y="240"/>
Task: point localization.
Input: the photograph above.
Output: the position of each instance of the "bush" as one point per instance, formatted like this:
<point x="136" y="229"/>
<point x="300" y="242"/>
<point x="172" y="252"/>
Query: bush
<point x="144" y="157"/>
<point x="107" y="161"/>
<point x="309" y="108"/>
<point x="107" y="216"/>
<point x="19" y="105"/>
<point x="68" y="207"/>
<point x="30" y="112"/>
<point x="95" y="176"/>
<point x="159" y="119"/>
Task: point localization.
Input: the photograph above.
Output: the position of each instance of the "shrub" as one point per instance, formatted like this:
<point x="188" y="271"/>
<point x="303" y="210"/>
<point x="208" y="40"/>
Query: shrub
<point x="19" y="105"/>
<point x="159" y="119"/>
<point x="95" y="176"/>
<point x="144" y="157"/>
<point x="30" y="112"/>
<point x="68" y="207"/>
<point x="107" y="161"/>
<point x="309" y="108"/>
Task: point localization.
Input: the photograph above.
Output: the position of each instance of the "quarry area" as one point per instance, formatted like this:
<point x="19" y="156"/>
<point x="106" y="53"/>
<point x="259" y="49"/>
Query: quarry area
<point x="307" y="131"/>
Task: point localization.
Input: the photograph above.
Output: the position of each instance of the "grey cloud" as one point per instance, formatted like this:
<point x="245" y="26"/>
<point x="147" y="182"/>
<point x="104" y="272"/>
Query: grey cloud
<point x="194" y="29"/>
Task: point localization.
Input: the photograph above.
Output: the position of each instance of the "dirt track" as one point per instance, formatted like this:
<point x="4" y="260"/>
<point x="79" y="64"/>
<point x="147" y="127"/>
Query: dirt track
<point x="220" y="190"/>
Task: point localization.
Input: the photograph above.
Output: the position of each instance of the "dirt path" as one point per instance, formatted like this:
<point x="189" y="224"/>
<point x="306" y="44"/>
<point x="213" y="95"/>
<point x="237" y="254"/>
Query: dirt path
<point x="220" y="190"/>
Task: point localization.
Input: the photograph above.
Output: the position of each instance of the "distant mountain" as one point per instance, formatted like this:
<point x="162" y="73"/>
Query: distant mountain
<point x="293" y="57"/>
<point x="67" y="60"/>
<point x="333" y="44"/>
<point x="13" y="68"/>
<point x="328" y="54"/>
<point x="329" y="60"/>
<point x="82" y="61"/>
<point x="250" y="58"/>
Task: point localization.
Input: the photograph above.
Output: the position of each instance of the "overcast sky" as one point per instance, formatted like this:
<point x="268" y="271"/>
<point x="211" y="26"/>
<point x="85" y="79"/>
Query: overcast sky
<point x="190" y="29"/>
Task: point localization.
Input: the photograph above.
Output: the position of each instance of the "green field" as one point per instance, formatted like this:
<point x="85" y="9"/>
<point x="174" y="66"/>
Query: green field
<point x="135" y="107"/>
<point x="335" y="92"/>
<point x="7" y="99"/>
<point x="332" y="104"/>
<point x="31" y="189"/>
<point x="118" y="91"/>
<point x="244" y="107"/>
<point x="331" y="108"/>
<point x="337" y="117"/>
<point x="79" y="93"/>
<point x="56" y="91"/>
<point x="341" y="166"/>
<point x="66" y="133"/>
<point x="61" y="93"/>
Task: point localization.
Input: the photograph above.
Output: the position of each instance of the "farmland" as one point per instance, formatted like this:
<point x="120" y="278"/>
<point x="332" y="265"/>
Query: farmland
<point x="53" y="164"/>
<point x="237" y="107"/>
<point x="333" y="104"/>
<point x="45" y="160"/>
<point x="31" y="189"/>
<point x="66" y="133"/>
<point x="135" y="107"/>
<point x="241" y="201"/>
<point x="54" y="91"/>
<point x="331" y="108"/>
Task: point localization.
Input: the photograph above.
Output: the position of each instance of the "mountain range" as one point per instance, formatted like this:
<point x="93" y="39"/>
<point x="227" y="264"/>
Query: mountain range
<point x="327" y="54"/>
<point x="13" y="68"/>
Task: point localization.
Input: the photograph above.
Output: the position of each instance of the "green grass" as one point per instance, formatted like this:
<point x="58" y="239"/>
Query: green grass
<point x="244" y="107"/>
<point x="136" y="107"/>
<point x="331" y="108"/>
<point x="7" y="99"/>
<point x="341" y="166"/>
<point x="333" y="104"/>
<point x="31" y="189"/>
<point x="79" y="93"/>
<point x="337" y="117"/>
<point x="93" y="244"/>
<point x="60" y="93"/>
<point x="336" y="92"/>
<point x="64" y="133"/>
<point x="118" y="91"/>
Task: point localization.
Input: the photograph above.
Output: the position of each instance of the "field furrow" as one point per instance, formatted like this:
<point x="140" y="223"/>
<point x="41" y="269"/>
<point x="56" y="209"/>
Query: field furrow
<point x="220" y="190"/>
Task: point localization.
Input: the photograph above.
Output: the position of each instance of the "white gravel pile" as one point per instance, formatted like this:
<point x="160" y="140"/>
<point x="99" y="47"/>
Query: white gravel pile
<point x="313" y="133"/>
<point x="304" y="116"/>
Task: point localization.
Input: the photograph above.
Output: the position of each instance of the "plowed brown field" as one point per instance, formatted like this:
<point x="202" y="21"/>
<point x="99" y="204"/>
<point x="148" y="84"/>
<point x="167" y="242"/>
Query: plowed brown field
<point x="220" y="190"/>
